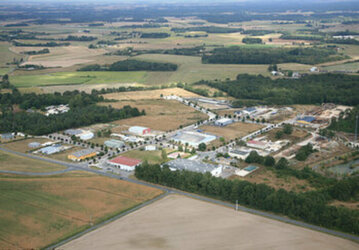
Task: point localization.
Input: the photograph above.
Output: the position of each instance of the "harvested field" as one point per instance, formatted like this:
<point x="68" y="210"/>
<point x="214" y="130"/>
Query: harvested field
<point x="37" y="211"/>
<point x="14" y="162"/>
<point x="178" y="222"/>
<point x="61" y="56"/>
<point x="149" y="94"/>
<point x="157" y="111"/>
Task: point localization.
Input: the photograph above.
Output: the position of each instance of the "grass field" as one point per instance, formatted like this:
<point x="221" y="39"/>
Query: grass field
<point x="18" y="163"/>
<point x="190" y="70"/>
<point x="178" y="222"/>
<point x="162" y="115"/>
<point x="23" y="145"/>
<point x="38" y="211"/>
<point x="354" y="67"/>
<point x="7" y="56"/>
<point x="149" y="94"/>
<point x="152" y="157"/>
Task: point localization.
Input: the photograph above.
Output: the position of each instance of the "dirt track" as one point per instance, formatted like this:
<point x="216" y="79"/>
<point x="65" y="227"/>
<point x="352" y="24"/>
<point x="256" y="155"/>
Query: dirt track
<point x="178" y="222"/>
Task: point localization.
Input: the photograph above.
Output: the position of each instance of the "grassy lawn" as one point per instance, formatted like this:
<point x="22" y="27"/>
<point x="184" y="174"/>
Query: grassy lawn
<point x="152" y="157"/>
<point x="38" y="211"/>
<point x="23" y="145"/>
<point x="18" y="163"/>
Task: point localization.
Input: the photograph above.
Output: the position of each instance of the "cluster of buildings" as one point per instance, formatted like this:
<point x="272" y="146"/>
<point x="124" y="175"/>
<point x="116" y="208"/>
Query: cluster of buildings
<point x="79" y="133"/>
<point x="193" y="138"/>
<point x="50" y="149"/>
<point x="264" y="112"/>
<point x="195" y="166"/>
<point x="59" y="109"/>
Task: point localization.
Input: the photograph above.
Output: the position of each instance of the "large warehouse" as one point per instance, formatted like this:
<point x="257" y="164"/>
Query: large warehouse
<point x="114" y="143"/>
<point x="82" y="154"/>
<point x="138" y="130"/>
<point x="223" y="122"/>
<point x="193" y="138"/>
<point x="124" y="163"/>
<point x="194" y="166"/>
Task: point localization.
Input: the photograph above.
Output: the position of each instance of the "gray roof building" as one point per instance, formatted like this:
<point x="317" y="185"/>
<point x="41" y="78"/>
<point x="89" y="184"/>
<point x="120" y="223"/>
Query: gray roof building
<point x="83" y="152"/>
<point x="190" y="165"/>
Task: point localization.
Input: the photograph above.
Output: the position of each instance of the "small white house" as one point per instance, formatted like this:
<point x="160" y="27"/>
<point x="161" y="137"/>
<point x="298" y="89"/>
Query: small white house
<point x="150" y="148"/>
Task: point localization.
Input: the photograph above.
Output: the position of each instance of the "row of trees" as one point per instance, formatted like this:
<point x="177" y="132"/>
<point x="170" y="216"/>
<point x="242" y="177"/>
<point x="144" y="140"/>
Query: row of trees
<point x="208" y="29"/>
<point x="251" y="40"/>
<point x="37" y="52"/>
<point x="310" y="207"/>
<point x="311" y="89"/>
<point x="241" y="55"/>
<point x="46" y="44"/>
<point x="132" y="65"/>
<point x="39" y="124"/>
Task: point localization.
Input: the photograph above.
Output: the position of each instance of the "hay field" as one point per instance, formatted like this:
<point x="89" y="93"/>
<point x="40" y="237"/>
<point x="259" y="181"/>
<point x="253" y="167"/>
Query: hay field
<point x="14" y="162"/>
<point x="149" y="94"/>
<point x="162" y="115"/>
<point x="232" y="131"/>
<point x="178" y="222"/>
<point x="38" y="211"/>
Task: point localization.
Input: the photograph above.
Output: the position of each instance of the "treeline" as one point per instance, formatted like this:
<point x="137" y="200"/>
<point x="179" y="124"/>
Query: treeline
<point x="241" y="55"/>
<point x="37" y="52"/>
<point x="251" y="40"/>
<point x="310" y="207"/>
<point x="79" y="38"/>
<point x="346" y="121"/>
<point x="208" y="29"/>
<point x="38" y="124"/>
<point x="132" y="65"/>
<point x="311" y="89"/>
<point x="258" y="32"/>
<point x="155" y="35"/>
<point x="47" y="44"/>
<point x="193" y="51"/>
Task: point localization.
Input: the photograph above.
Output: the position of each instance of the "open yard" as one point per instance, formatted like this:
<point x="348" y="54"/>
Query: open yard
<point x="232" y="131"/>
<point x="38" y="211"/>
<point x="178" y="222"/>
<point x="162" y="115"/>
<point x="18" y="163"/>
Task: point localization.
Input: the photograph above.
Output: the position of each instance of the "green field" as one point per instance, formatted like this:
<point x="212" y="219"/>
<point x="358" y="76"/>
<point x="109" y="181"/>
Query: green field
<point x="7" y="56"/>
<point x="38" y="211"/>
<point x="152" y="157"/>
<point x="354" y="67"/>
<point x="18" y="163"/>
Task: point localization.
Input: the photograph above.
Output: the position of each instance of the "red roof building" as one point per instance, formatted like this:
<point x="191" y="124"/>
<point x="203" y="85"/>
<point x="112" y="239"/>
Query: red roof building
<point x="125" y="163"/>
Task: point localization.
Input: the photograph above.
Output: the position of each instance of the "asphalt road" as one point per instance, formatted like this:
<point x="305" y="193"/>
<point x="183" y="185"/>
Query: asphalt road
<point x="72" y="166"/>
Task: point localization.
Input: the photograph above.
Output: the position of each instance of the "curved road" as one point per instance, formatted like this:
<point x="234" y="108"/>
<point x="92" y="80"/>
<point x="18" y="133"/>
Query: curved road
<point x="71" y="166"/>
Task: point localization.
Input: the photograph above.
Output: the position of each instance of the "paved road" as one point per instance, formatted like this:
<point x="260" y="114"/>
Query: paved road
<point x="174" y="191"/>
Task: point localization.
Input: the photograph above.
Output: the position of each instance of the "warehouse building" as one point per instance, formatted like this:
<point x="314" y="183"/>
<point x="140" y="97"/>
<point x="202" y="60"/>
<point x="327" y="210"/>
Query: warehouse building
<point x="194" y="166"/>
<point x="114" y="143"/>
<point x="82" y="134"/>
<point x="82" y="154"/>
<point x="150" y="148"/>
<point x="124" y="163"/>
<point x="7" y="136"/>
<point x="138" y="130"/>
<point x="223" y="122"/>
<point x="51" y="149"/>
<point x="239" y="153"/>
<point x="193" y="138"/>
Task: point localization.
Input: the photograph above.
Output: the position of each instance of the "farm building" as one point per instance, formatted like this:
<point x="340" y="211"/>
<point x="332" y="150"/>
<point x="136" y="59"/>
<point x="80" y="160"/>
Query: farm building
<point x="150" y="148"/>
<point x="82" y="154"/>
<point x="51" y="149"/>
<point x="34" y="144"/>
<point x="7" y="136"/>
<point x="138" y="130"/>
<point x="193" y="138"/>
<point x="124" y="163"/>
<point x="223" y="122"/>
<point x="194" y="166"/>
<point x="114" y="143"/>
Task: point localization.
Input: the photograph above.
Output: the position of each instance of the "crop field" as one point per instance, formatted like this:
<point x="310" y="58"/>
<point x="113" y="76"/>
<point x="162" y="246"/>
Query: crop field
<point x="38" y="211"/>
<point x="6" y="55"/>
<point x="353" y="67"/>
<point x="232" y="131"/>
<point x="162" y="115"/>
<point x="178" y="222"/>
<point x="149" y="94"/>
<point x="14" y="162"/>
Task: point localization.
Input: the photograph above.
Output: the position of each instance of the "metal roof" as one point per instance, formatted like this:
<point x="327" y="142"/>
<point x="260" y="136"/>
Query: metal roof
<point x="122" y="160"/>
<point x="191" y="165"/>
<point x="83" y="152"/>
